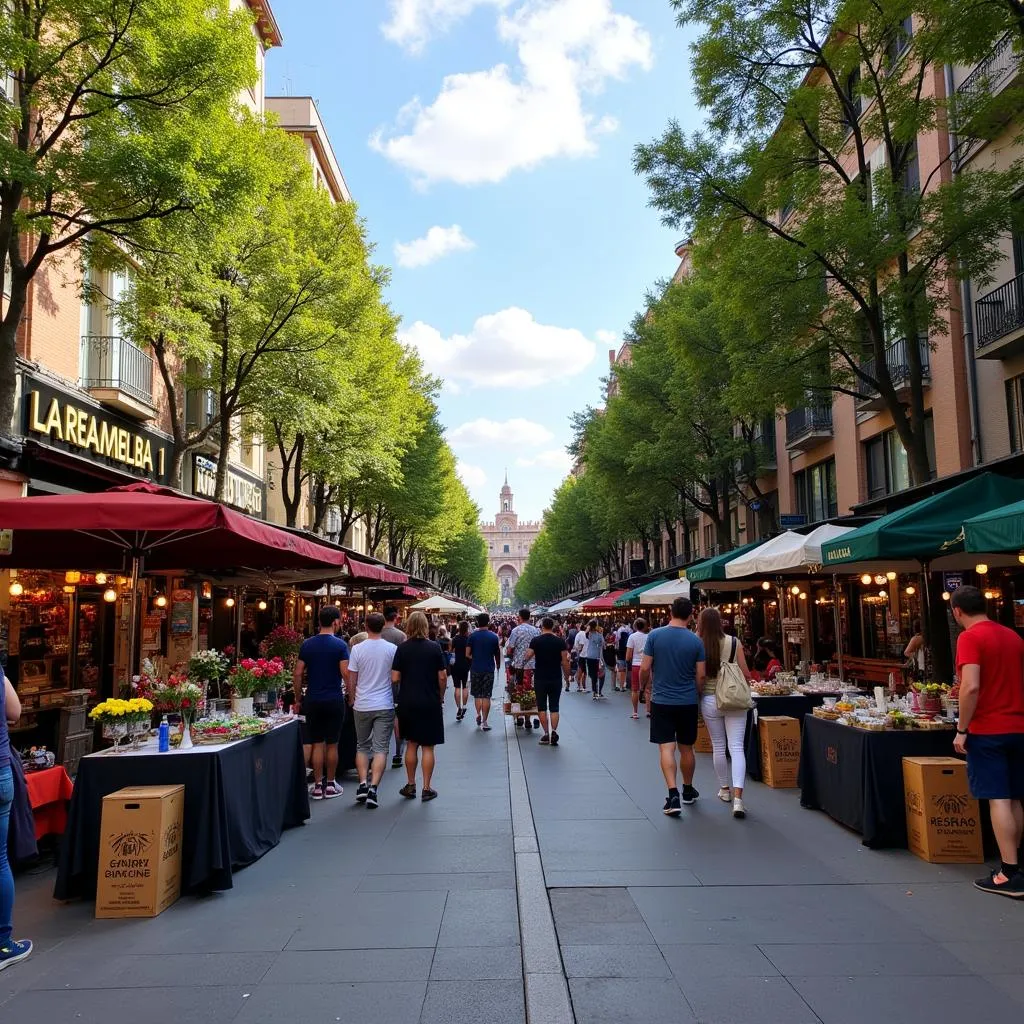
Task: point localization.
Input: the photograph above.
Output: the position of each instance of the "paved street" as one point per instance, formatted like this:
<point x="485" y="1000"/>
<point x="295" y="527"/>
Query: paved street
<point x="408" y="915"/>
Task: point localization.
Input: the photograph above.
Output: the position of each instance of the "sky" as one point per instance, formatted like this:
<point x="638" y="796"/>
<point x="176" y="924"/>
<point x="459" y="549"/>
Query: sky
<point x="488" y="145"/>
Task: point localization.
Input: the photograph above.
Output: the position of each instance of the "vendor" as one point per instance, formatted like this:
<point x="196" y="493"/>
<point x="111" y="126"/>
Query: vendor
<point x="913" y="653"/>
<point x="766" y="663"/>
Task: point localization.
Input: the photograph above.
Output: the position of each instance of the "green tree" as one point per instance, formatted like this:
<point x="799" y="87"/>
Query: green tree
<point x="805" y="184"/>
<point x="108" y="129"/>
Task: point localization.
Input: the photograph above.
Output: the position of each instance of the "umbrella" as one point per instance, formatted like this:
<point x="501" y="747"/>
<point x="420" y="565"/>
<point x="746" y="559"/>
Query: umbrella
<point x="562" y="606"/>
<point x="666" y="593"/>
<point x="438" y="603"/>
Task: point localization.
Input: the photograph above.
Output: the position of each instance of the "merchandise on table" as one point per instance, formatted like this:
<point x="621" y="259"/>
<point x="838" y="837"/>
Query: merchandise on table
<point x="211" y="731"/>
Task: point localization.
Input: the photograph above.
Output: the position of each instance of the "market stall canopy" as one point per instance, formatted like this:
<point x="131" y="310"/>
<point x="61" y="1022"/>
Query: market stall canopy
<point x="437" y="603"/>
<point x="1001" y="529"/>
<point x="788" y="552"/>
<point x="168" y="530"/>
<point x="712" y="570"/>
<point x="358" y="570"/>
<point x="562" y="606"/>
<point x="632" y="596"/>
<point x="604" y="603"/>
<point x="927" y="531"/>
<point x="666" y="593"/>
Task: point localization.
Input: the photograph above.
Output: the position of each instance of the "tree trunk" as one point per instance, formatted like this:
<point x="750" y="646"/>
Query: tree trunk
<point x="9" y="356"/>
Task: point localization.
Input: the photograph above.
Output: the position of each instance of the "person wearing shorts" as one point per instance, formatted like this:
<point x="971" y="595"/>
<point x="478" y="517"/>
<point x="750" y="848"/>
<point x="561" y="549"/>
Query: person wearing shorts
<point x="372" y="698"/>
<point x="990" y="730"/>
<point x="673" y="666"/>
<point x="460" y="669"/>
<point x="634" y="656"/>
<point x="621" y="663"/>
<point x="323" y="665"/>
<point x="551" y="658"/>
<point x="485" y="660"/>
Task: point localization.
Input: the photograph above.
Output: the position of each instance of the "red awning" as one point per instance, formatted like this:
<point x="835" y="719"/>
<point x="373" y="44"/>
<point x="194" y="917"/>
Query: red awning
<point x="168" y="530"/>
<point x="604" y="603"/>
<point x="371" y="571"/>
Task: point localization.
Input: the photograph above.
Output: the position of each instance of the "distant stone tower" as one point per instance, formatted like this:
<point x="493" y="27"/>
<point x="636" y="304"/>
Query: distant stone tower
<point x="508" y="542"/>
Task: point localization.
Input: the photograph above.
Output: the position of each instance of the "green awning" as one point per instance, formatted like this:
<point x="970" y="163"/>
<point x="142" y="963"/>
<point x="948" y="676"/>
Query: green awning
<point x="633" y="596"/>
<point x="714" y="568"/>
<point x="926" y="530"/>
<point x="1002" y="529"/>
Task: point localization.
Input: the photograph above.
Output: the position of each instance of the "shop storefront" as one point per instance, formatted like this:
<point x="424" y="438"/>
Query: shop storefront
<point x="244" y="491"/>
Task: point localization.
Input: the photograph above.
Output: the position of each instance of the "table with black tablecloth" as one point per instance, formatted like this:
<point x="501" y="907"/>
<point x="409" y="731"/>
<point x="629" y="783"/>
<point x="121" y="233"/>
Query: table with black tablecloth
<point x="239" y="798"/>
<point x="856" y="776"/>
<point x="794" y="705"/>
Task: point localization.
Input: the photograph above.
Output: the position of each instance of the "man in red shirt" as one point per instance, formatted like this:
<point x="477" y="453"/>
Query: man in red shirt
<point x="990" y="663"/>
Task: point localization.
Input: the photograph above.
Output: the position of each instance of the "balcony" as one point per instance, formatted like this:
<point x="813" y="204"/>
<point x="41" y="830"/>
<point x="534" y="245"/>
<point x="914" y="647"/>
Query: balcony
<point x="808" y="426"/>
<point x="897" y="359"/>
<point x="118" y="374"/>
<point x="994" y="73"/>
<point x="761" y="459"/>
<point x="1000" y="320"/>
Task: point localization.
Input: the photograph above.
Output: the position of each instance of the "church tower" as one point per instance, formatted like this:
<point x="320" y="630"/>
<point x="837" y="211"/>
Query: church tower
<point x="506" y="516"/>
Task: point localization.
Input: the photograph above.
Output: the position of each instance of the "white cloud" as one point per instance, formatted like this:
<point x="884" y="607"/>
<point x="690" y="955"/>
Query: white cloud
<point x="506" y="349"/>
<point x="609" y="338"/>
<point x="481" y="432"/>
<point x="471" y="476"/>
<point x="483" y="125"/>
<point x="414" y="22"/>
<point x="552" y="458"/>
<point x="435" y="244"/>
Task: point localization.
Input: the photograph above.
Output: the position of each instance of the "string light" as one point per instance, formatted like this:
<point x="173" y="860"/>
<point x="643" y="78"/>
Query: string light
<point x="866" y="578"/>
<point x="945" y="595"/>
<point x="910" y="591"/>
<point x="101" y="579"/>
<point x="15" y="589"/>
<point x="161" y="601"/>
<point x="229" y="602"/>
<point x="981" y="568"/>
<point x="890" y="575"/>
<point x="262" y="606"/>
<point x="795" y="589"/>
<point x="110" y="595"/>
<point x="767" y="586"/>
<point x="883" y="594"/>
<point x="308" y="607"/>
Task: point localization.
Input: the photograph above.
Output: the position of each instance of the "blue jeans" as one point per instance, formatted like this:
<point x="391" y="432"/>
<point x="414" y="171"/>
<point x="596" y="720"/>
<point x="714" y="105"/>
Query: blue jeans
<point x="6" y="877"/>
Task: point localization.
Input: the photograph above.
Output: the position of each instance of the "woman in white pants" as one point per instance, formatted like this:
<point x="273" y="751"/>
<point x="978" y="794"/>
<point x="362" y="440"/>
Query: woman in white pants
<point x="726" y="728"/>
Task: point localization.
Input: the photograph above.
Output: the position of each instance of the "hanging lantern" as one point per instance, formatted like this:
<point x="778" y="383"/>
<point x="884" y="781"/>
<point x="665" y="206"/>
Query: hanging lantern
<point x="866" y="579"/>
<point x="15" y="589"/>
<point x="910" y="591"/>
<point x="262" y="605"/>
<point x="229" y="602"/>
<point x="794" y="590"/>
<point x="72" y="576"/>
<point x="890" y="575"/>
<point x="981" y="568"/>
<point x="883" y="594"/>
<point x="101" y="579"/>
<point x="803" y="595"/>
<point x="767" y="586"/>
<point x="160" y="601"/>
<point x="945" y="595"/>
<point x="880" y="579"/>
<point x="308" y="608"/>
<point x="110" y="595"/>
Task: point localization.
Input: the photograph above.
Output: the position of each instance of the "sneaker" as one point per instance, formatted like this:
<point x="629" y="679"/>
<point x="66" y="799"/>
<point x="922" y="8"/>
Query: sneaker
<point x="361" y="793"/>
<point x="635" y="716"/>
<point x="408" y="791"/>
<point x="371" y="796"/>
<point x="332" y="790"/>
<point x="1012" y="887"/>
<point x="545" y="740"/>
<point x="309" y="777"/>
<point x="690" y="795"/>
<point x="738" y="810"/>
<point x="725" y="794"/>
<point x="396" y="762"/>
<point x="485" y="727"/>
<point x="554" y="738"/>
<point x="318" y="792"/>
<point x="672" y="808"/>
<point x="479" y="718"/>
<point x="15" y="950"/>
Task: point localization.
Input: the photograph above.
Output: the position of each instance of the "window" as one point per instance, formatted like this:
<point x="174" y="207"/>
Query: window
<point x="505" y="549"/>
<point x="888" y="468"/>
<point x="816" y="491"/>
<point x="899" y="40"/>
<point x="911" y="170"/>
<point x="1015" y="411"/>
<point x="709" y="539"/>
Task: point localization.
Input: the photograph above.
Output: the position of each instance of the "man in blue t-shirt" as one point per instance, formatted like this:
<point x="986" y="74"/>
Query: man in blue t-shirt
<point x="484" y="648"/>
<point x="674" y="658"/>
<point x="323" y="661"/>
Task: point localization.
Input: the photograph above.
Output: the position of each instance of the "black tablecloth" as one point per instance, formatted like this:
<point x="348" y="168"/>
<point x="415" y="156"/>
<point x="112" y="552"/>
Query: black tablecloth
<point x="857" y="777"/>
<point x="238" y="800"/>
<point x="795" y="706"/>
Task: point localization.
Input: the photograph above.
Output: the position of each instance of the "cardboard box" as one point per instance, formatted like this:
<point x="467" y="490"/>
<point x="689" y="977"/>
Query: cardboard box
<point x="943" y="822"/>
<point x="780" y="750"/>
<point x="140" y="851"/>
<point x="703" y="744"/>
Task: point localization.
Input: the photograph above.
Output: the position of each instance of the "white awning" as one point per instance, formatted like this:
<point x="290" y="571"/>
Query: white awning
<point x="563" y="606"/>
<point x="789" y="552"/>
<point x="666" y="593"/>
<point x="437" y="603"/>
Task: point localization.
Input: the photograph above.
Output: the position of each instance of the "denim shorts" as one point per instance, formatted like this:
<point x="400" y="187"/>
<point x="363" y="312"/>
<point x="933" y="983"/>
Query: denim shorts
<point x="995" y="766"/>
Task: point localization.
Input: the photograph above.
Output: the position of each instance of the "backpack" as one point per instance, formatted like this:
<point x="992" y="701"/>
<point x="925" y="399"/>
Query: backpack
<point x="732" y="692"/>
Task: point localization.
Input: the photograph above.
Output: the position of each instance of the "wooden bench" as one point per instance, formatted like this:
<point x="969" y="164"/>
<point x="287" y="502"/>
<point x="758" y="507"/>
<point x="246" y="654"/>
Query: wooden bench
<point x="869" y="671"/>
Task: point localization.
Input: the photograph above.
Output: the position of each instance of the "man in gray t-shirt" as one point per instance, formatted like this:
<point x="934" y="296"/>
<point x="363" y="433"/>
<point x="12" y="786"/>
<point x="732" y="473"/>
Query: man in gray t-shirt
<point x="395" y="636"/>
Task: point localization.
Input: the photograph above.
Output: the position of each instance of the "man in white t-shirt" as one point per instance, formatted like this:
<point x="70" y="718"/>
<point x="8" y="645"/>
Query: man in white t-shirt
<point x="373" y="706"/>
<point x="579" y="647"/>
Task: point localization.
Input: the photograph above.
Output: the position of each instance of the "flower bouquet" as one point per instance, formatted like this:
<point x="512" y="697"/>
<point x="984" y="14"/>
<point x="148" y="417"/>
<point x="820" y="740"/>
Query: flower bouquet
<point x="282" y="643"/>
<point x="928" y="697"/>
<point x="123" y="718"/>
<point x="251" y="676"/>
<point x="208" y="667"/>
<point x="180" y="695"/>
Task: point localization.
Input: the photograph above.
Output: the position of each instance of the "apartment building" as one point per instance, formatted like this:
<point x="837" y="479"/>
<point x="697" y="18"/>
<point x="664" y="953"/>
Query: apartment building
<point x="837" y="457"/>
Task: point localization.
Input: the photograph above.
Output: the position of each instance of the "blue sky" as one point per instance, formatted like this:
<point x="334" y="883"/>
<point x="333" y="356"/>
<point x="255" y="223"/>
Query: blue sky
<point x="488" y="144"/>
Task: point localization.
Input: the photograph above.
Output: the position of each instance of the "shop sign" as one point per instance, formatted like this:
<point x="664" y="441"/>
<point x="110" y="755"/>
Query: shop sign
<point x="66" y="423"/>
<point x="243" y="492"/>
<point x="952" y="581"/>
<point x="181" y="612"/>
<point x="794" y="630"/>
<point x="790" y="521"/>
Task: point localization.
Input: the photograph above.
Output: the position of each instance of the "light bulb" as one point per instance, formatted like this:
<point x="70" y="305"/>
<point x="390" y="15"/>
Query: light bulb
<point x="262" y="606"/>
<point x="308" y="607"/>
<point x="803" y="595"/>
<point x="910" y="591"/>
<point x="880" y="578"/>
<point x="767" y="586"/>
<point x="101" y="579"/>
<point x="890" y="575"/>
<point x="866" y="578"/>
<point x="161" y="601"/>
<point x="794" y="590"/>
<point x="1020" y="557"/>
<point x="989" y="595"/>
<point x="369" y="607"/>
<point x="945" y="595"/>
<point x="882" y="594"/>
<point x="110" y="595"/>
<point x="15" y="589"/>
<point x="68" y="589"/>
<point x="229" y="602"/>
<point x="981" y="568"/>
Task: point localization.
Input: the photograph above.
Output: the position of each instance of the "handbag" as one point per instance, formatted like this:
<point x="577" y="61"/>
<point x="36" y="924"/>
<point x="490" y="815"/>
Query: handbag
<point x="732" y="691"/>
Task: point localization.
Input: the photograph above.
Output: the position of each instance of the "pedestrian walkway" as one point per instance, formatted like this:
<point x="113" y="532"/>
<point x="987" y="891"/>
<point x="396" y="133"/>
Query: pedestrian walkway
<point x="403" y="915"/>
<point x="780" y="919"/>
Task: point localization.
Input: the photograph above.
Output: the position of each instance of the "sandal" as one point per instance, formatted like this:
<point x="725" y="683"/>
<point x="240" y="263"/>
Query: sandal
<point x="408" y="791"/>
<point x="634" y="716"/>
<point x="429" y="794"/>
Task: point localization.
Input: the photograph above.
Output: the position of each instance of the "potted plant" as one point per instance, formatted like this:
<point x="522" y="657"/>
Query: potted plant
<point x="282" y="643"/>
<point x="185" y="698"/>
<point x="121" y="718"/>
<point x="209" y="668"/>
<point x="251" y="676"/>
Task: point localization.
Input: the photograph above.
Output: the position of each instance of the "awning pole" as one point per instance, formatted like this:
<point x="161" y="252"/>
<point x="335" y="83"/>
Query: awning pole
<point x="781" y="591"/>
<point x="927" y="630"/>
<point x="239" y="609"/>
<point x="837" y="612"/>
<point x="133" y="625"/>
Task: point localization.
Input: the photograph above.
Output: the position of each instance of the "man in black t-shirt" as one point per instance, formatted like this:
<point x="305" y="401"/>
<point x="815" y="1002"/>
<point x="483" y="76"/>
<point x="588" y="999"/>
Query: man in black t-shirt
<point x="552" y="667"/>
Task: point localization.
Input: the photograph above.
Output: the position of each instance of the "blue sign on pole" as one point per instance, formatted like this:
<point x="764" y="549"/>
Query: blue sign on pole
<point x="792" y="520"/>
<point x="952" y="580"/>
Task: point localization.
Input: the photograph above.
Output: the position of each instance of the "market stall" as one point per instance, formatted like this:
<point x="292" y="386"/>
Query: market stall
<point x="795" y="705"/>
<point x="239" y="799"/>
